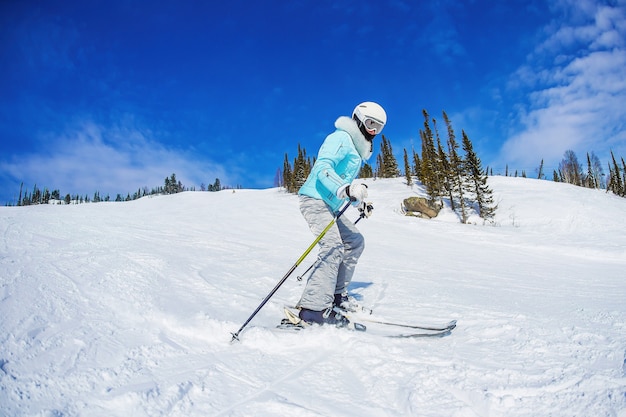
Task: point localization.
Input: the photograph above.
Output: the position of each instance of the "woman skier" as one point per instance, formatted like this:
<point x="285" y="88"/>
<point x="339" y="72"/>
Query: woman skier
<point x="332" y="182"/>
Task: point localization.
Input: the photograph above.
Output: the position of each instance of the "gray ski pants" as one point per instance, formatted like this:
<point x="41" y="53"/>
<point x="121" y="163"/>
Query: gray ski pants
<point x="339" y="252"/>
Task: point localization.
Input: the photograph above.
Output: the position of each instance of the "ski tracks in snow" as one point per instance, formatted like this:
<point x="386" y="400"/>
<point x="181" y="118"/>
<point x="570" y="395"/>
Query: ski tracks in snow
<point x="546" y="366"/>
<point x="280" y="387"/>
<point x="343" y="367"/>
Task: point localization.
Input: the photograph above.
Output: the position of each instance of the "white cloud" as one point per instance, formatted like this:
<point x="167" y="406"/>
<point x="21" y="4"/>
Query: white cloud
<point x="110" y="159"/>
<point x="577" y="84"/>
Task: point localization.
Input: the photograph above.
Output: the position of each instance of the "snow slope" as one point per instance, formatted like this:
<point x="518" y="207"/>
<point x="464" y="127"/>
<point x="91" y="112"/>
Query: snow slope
<point x="126" y="309"/>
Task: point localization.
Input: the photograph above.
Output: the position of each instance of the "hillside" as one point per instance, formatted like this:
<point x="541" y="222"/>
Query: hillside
<point x="120" y="309"/>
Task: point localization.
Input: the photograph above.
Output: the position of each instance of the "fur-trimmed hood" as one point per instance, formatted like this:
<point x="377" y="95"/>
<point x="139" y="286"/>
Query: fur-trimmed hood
<point x="362" y="145"/>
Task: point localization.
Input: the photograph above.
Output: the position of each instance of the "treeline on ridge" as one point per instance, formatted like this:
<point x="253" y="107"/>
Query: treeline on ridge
<point x="171" y="186"/>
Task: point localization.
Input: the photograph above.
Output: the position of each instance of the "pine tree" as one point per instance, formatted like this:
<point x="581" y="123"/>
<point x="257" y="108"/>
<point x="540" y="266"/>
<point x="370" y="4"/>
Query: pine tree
<point x="430" y="174"/>
<point x="19" y="200"/>
<point x="484" y="195"/>
<point x="616" y="180"/>
<point x="294" y="177"/>
<point x="217" y="185"/>
<point x="417" y="165"/>
<point x="623" y="178"/>
<point x="166" y="189"/>
<point x="299" y="169"/>
<point x="540" y="174"/>
<point x="448" y="176"/>
<point x="457" y="171"/>
<point x="35" y="196"/>
<point x="590" y="179"/>
<point x="426" y="172"/>
<point x="173" y="184"/>
<point x="366" y="171"/>
<point x="407" y="169"/>
<point x="287" y="175"/>
<point x="389" y="164"/>
<point x="45" y="197"/>
<point x="379" y="166"/>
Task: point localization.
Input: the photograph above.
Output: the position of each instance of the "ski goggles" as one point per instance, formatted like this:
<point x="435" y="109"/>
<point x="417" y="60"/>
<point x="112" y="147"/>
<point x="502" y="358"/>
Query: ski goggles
<point x="373" y="126"/>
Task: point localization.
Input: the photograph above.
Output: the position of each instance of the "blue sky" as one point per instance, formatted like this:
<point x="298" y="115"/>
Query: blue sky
<point x="111" y="96"/>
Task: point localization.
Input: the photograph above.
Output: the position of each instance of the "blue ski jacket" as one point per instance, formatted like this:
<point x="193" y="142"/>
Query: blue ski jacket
<point x="338" y="163"/>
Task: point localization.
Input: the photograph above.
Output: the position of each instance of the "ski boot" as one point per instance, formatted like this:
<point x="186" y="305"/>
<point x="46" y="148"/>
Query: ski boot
<point x="326" y="316"/>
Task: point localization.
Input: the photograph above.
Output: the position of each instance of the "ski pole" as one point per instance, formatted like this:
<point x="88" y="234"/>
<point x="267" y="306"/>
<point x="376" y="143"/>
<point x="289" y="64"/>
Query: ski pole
<point x="284" y="278"/>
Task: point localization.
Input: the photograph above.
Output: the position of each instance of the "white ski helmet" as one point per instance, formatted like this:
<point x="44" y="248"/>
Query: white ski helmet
<point x="371" y="115"/>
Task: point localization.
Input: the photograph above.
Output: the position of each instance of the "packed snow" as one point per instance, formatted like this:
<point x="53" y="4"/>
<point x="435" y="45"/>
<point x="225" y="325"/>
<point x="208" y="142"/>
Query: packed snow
<point x="127" y="309"/>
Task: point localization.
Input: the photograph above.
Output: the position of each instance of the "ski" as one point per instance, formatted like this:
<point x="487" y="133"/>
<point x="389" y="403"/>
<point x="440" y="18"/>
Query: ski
<point x="375" y="327"/>
<point x="447" y="327"/>
<point x="401" y="330"/>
